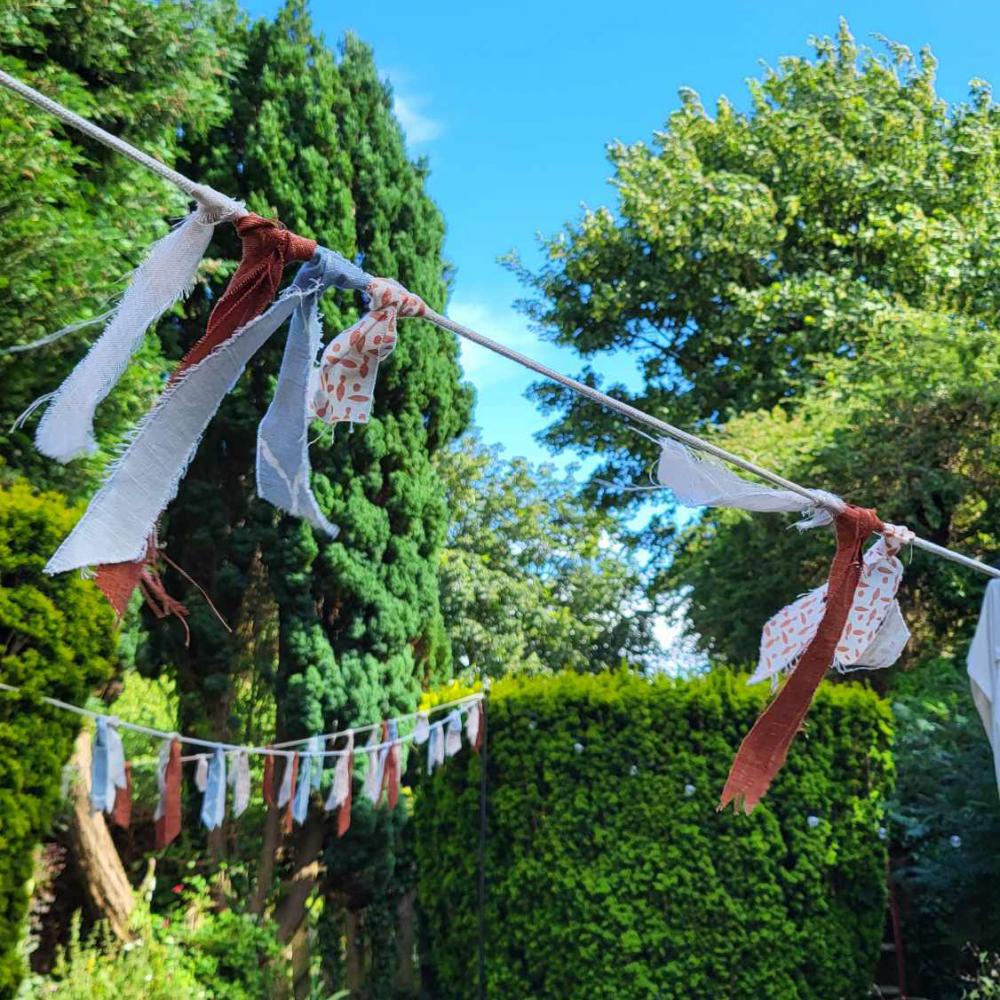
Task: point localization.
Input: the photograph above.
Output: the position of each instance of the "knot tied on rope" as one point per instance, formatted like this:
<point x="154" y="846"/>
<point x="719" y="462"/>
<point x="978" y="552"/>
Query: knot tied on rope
<point x="764" y="749"/>
<point x="267" y="246"/>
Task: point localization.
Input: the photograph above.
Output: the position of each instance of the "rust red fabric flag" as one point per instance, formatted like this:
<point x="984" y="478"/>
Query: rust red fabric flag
<point x="390" y="776"/>
<point x="287" y="818"/>
<point x="168" y="823"/>
<point x="763" y="750"/>
<point x="122" y="813"/>
<point x="267" y="246"/>
<point x="344" y="814"/>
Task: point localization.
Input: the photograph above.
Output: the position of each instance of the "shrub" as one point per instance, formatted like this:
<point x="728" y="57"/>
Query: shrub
<point x="946" y="828"/>
<point x="56" y="638"/>
<point x="609" y="872"/>
<point x="195" y="954"/>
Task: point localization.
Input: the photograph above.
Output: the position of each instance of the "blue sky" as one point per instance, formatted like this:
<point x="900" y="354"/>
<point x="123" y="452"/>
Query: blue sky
<point x="514" y="103"/>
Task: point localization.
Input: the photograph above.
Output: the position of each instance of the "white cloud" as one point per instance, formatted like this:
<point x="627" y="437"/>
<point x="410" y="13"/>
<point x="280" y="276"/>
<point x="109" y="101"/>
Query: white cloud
<point x="419" y="128"/>
<point x="484" y="367"/>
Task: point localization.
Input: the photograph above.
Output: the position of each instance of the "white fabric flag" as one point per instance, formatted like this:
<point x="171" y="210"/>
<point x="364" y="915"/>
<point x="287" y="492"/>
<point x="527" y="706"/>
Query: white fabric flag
<point x="341" y="777"/>
<point x="703" y="481"/>
<point x="422" y="729"/>
<point x="167" y="274"/>
<point x="285" y="790"/>
<point x="201" y="772"/>
<point x="453" y="739"/>
<point x="376" y="760"/>
<point x="984" y="669"/>
<point x="472" y="717"/>
<point x="239" y="778"/>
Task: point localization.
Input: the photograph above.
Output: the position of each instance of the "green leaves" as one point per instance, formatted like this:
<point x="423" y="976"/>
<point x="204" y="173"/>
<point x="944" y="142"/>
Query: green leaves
<point x="533" y="577"/>
<point x="610" y="873"/>
<point x="816" y="281"/>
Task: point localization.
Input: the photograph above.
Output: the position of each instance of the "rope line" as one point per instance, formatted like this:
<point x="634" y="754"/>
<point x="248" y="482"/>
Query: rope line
<point x="224" y="205"/>
<point x="272" y="750"/>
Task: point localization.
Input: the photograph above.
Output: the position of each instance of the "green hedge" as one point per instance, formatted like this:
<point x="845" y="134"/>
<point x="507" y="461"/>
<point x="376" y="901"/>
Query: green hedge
<point x="56" y="638"/>
<point x="609" y="871"/>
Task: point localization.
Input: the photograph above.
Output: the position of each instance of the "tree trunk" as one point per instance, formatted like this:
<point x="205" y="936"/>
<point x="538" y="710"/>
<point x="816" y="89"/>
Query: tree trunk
<point x="101" y="869"/>
<point x="297" y="890"/>
<point x="405" y="981"/>
<point x="301" y="981"/>
<point x="354" y="951"/>
<point x="268" y="852"/>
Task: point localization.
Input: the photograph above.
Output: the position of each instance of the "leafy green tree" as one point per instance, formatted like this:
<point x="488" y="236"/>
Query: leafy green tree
<point x="57" y="640"/>
<point x="534" y="578"/>
<point x="333" y="632"/>
<point x="945" y="826"/>
<point x="818" y="278"/>
<point x="76" y="216"/>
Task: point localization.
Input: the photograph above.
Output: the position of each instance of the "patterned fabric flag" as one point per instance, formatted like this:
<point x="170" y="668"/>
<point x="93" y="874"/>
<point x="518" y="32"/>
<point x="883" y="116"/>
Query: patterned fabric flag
<point x="874" y="616"/>
<point x="346" y="382"/>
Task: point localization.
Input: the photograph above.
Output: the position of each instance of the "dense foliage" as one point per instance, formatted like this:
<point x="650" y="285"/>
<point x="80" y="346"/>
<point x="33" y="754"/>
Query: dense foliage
<point x="76" y="216"/>
<point x="817" y="276"/>
<point x="609" y="872"/>
<point x="56" y="639"/>
<point x="195" y="953"/>
<point x="534" y="577"/>
<point x="946" y="828"/>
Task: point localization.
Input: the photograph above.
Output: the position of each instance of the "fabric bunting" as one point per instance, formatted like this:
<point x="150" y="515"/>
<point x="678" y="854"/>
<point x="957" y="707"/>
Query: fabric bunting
<point x="453" y="737"/>
<point x="474" y="722"/>
<point x="701" y="481"/>
<point x="375" y="753"/>
<point x="213" y="803"/>
<point x="168" y="808"/>
<point x="422" y="729"/>
<point x="762" y="752"/>
<point x="309" y="777"/>
<point x="239" y="779"/>
<point x="121" y="518"/>
<point x="346" y="378"/>
<point x="392" y="775"/>
<point x="121" y="815"/>
<point x="435" y="746"/>
<point x="875" y="633"/>
<point x="286" y="796"/>
<point x="341" y="790"/>
<point x="201" y="772"/>
<point x="267" y="786"/>
<point x="66" y="430"/>
<point x="107" y="767"/>
<point x="983" y="666"/>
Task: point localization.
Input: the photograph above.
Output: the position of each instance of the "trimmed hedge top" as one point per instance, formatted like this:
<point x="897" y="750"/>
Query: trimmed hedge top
<point x="609" y="872"/>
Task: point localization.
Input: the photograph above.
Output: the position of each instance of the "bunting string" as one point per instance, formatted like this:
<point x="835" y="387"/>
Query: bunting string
<point x="853" y="619"/>
<point x="222" y="204"/>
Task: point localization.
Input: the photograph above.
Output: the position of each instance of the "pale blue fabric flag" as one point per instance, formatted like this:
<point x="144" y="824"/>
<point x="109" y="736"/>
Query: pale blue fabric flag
<point x="107" y="766"/>
<point x="310" y="773"/>
<point x="213" y="804"/>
